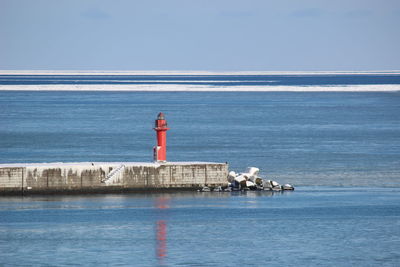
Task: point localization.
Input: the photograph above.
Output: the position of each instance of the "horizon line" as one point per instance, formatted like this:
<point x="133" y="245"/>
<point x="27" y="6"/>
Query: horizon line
<point x="190" y="72"/>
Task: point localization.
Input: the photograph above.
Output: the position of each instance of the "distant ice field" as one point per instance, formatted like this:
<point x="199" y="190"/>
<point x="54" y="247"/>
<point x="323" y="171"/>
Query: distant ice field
<point x="313" y="82"/>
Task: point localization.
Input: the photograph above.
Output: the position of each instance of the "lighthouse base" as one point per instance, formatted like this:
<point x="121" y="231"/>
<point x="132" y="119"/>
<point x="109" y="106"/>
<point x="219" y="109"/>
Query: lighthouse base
<point x="104" y="177"/>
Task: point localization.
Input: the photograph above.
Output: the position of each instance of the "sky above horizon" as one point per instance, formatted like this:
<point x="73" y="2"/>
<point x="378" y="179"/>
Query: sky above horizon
<point x="215" y="35"/>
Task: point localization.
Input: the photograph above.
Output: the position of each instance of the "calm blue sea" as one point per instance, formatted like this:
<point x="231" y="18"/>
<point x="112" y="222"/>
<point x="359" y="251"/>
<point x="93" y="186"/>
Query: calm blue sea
<point x="308" y="227"/>
<point x="210" y="80"/>
<point x="340" y="149"/>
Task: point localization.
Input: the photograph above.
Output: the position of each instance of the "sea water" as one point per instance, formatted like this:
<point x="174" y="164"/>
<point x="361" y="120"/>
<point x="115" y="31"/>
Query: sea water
<point x="307" y="138"/>
<point x="341" y="150"/>
<point x="312" y="226"/>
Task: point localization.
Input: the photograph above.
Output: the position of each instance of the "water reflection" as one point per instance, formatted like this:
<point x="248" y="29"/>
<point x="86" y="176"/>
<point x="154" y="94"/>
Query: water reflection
<point x="161" y="239"/>
<point x="162" y="205"/>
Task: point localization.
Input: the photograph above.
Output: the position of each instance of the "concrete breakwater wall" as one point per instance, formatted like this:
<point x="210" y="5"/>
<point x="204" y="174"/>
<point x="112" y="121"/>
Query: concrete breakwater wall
<point x="109" y="177"/>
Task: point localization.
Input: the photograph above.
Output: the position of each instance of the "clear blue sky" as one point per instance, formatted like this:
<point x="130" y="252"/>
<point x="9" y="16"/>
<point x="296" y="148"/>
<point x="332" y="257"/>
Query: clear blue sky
<point x="212" y="35"/>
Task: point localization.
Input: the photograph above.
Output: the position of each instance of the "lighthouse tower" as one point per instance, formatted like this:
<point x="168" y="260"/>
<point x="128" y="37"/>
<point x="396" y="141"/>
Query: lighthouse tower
<point x="160" y="151"/>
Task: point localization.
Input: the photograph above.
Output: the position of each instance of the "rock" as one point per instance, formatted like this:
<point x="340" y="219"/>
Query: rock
<point x="218" y="189"/>
<point x="251" y="185"/>
<point x="259" y="187"/>
<point x="287" y="187"/>
<point x="274" y="183"/>
<point x="240" y="181"/>
<point x="267" y="185"/>
<point x="228" y="189"/>
<point x="231" y="176"/>
<point x="258" y="181"/>
<point x="277" y="188"/>
<point x="251" y="174"/>
<point x="253" y="171"/>
<point x="205" y="189"/>
<point x="250" y="180"/>
<point x="240" y="178"/>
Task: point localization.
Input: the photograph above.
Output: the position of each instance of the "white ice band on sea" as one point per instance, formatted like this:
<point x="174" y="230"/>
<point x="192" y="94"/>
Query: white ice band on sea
<point x="203" y="88"/>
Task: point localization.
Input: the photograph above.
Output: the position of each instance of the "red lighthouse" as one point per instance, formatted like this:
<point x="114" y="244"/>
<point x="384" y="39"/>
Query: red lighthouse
<point x="161" y="127"/>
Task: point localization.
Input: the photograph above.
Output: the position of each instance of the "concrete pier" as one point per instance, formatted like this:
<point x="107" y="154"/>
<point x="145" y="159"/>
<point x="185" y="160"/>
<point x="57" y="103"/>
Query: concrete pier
<point x="98" y="177"/>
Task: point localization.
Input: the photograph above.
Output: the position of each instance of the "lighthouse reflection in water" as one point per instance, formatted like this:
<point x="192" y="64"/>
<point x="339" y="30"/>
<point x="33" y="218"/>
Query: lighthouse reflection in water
<point x="162" y="206"/>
